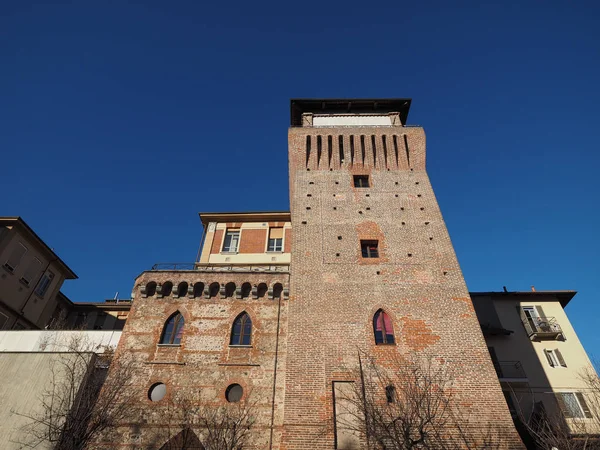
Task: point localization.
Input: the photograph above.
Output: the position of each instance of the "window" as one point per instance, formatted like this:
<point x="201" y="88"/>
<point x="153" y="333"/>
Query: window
<point x="390" y="393"/>
<point x="15" y="257"/>
<point x="157" y="392"/>
<point x="361" y="181"/>
<point x="369" y="249"/>
<point x="32" y="271"/>
<point x="555" y="358"/>
<point x="383" y="329"/>
<point x="275" y="240"/>
<point x="242" y="330"/>
<point x="573" y="405"/>
<point x="232" y="241"/>
<point x="173" y="330"/>
<point x="234" y="393"/>
<point x="44" y="283"/>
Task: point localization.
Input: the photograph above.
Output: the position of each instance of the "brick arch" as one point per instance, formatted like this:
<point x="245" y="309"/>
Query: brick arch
<point x="234" y="380"/>
<point x="172" y="309"/>
<point x="256" y="323"/>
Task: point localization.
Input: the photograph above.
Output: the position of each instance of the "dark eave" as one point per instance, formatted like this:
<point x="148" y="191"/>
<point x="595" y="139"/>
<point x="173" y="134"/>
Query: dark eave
<point x="564" y="297"/>
<point x="251" y="216"/>
<point x="298" y="106"/>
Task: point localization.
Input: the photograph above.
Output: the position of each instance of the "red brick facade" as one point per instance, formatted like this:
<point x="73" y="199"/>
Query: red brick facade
<point x="303" y="343"/>
<point x="335" y="292"/>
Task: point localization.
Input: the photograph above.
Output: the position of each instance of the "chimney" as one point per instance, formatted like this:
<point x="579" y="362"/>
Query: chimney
<point x="504" y="287"/>
<point x="532" y="288"/>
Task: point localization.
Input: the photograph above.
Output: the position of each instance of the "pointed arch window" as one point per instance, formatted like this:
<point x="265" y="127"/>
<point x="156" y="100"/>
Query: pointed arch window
<point x="382" y="327"/>
<point x="173" y="330"/>
<point x="241" y="331"/>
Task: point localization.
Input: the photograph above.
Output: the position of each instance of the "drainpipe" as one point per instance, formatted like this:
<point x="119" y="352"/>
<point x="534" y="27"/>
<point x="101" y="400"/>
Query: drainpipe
<point x="275" y="371"/>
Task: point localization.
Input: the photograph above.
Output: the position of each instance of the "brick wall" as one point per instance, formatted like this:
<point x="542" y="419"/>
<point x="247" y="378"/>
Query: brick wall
<point x="253" y="240"/>
<point x="204" y="364"/>
<point x="335" y="293"/>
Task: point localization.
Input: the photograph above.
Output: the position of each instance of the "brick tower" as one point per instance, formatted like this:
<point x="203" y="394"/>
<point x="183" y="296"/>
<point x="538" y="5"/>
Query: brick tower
<point x="368" y="234"/>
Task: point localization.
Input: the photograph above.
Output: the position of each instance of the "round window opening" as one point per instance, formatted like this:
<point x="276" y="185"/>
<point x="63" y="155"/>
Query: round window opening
<point x="234" y="393"/>
<point x="157" y="392"/>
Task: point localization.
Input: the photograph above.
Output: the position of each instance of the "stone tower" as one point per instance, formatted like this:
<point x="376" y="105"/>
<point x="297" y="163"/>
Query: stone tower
<point x="368" y="234"/>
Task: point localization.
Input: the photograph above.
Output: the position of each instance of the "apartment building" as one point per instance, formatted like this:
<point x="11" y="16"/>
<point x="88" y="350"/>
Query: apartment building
<point x="280" y="314"/>
<point x="540" y="361"/>
<point x="31" y="276"/>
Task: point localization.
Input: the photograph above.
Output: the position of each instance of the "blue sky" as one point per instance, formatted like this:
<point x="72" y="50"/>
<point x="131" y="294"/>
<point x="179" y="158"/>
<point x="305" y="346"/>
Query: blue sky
<point x="119" y="121"/>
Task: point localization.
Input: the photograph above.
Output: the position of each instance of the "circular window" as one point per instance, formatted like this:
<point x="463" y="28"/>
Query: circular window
<point x="234" y="393"/>
<point x="157" y="391"/>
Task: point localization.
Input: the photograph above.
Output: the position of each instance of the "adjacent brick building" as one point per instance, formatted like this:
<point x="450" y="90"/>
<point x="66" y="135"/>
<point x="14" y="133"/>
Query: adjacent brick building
<point x="280" y="314"/>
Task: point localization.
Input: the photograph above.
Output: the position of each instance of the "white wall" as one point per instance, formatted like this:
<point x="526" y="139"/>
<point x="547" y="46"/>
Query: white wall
<point x="57" y="341"/>
<point x="335" y="120"/>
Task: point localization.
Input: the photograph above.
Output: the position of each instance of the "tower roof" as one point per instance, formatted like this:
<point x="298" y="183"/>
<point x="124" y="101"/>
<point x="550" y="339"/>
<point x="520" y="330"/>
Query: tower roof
<point x="298" y="106"/>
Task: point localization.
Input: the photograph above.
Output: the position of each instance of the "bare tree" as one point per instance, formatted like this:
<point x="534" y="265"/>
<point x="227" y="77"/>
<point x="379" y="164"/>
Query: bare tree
<point x="408" y="404"/>
<point x="221" y="427"/>
<point x="80" y="403"/>
<point x="558" y="428"/>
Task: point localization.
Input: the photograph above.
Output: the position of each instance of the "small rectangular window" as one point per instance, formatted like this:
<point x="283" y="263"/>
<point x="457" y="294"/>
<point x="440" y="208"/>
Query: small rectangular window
<point x="32" y="271"/>
<point x="572" y="404"/>
<point x="44" y="283"/>
<point x="232" y="241"/>
<point x="555" y="358"/>
<point x="369" y="249"/>
<point x="275" y="243"/>
<point x="361" y="181"/>
<point x="15" y="257"/>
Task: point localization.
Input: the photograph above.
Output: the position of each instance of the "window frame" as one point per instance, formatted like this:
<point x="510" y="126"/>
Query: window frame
<point x="44" y="283"/>
<point x="368" y="243"/>
<point x="231" y="231"/>
<point x="237" y="340"/>
<point x="358" y="181"/>
<point x="7" y="264"/>
<point x="555" y="358"/>
<point x="380" y="315"/>
<point x="582" y="413"/>
<point x="178" y="328"/>
<point x="32" y="271"/>
<point x="277" y="247"/>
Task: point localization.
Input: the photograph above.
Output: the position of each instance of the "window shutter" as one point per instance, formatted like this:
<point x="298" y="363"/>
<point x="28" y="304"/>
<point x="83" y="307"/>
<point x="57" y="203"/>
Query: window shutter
<point x="275" y="233"/>
<point x="540" y="311"/>
<point x="549" y="357"/>
<point x="560" y="358"/>
<point x="584" y="405"/>
<point x="562" y="405"/>
<point x="524" y="320"/>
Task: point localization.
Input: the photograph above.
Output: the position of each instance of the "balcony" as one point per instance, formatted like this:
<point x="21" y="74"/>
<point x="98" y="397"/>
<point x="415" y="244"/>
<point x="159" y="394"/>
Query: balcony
<point x="199" y="267"/>
<point x="510" y="371"/>
<point x="543" y="328"/>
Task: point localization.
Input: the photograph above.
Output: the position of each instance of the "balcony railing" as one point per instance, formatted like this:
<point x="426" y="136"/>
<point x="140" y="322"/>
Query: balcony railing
<point x="543" y="328"/>
<point x="510" y="370"/>
<point x="221" y="267"/>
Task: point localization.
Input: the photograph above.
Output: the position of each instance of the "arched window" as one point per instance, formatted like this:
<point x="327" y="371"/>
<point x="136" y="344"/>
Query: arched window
<point x="173" y="330"/>
<point x="241" y="330"/>
<point x="382" y="326"/>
